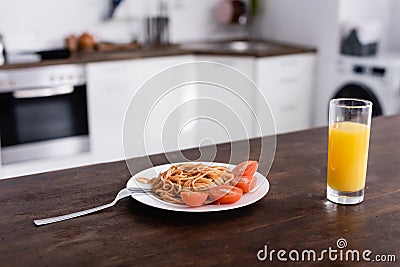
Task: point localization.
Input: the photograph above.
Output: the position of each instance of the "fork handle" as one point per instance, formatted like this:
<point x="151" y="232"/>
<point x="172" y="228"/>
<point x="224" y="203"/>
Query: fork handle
<point x="121" y="194"/>
<point x="71" y="215"/>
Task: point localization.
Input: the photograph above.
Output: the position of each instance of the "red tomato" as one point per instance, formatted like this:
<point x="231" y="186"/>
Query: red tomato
<point x="246" y="168"/>
<point x="194" y="199"/>
<point x="226" y="194"/>
<point x="246" y="183"/>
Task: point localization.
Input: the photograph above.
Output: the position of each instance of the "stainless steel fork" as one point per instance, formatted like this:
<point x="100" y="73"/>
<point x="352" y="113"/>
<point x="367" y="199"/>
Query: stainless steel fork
<point x="121" y="194"/>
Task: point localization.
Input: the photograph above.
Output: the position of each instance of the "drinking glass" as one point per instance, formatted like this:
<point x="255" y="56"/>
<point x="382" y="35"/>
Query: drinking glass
<point x="349" y="131"/>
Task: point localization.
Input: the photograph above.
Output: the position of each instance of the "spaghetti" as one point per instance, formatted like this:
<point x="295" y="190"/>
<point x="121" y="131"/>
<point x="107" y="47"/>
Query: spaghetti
<point x="188" y="177"/>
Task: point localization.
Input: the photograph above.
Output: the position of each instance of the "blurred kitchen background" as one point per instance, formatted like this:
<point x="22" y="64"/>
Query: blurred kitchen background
<point x="68" y="68"/>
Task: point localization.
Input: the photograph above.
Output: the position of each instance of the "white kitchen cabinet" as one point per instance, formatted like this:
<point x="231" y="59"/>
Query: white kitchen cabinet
<point x="242" y="63"/>
<point x="226" y="115"/>
<point x="287" y="83"/>
<point x="166" y="96"/>
<point x="111" y="86"/>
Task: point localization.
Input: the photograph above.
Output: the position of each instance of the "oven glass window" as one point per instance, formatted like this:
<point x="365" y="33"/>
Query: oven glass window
<point x="26" y="120"/>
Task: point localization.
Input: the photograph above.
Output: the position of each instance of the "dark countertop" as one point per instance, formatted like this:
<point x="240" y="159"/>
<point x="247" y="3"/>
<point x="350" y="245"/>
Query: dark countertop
<point x="172" y="50"/>
<point x="294" y="215"/>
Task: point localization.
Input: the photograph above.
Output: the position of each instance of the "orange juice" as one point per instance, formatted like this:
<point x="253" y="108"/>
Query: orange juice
<point x="347" y="156"/>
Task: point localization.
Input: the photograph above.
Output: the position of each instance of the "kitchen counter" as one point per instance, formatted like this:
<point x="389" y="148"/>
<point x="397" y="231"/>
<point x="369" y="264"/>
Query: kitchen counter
<point x="171" y="50"/>
<point x="294" y="215"/>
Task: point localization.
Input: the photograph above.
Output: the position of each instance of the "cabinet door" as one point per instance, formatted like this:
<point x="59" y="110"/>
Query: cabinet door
<point x="287" y="83"/>
<point x="243" y="64"/>
<point x="152" y="66"/>
<point x="111" y="85"/>
<point x="226" y="115"/>
<point x="165" y="118"/>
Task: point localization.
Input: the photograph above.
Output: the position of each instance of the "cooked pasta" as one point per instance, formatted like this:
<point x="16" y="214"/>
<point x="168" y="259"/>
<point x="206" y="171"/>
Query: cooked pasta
<point x="188" y="177"/>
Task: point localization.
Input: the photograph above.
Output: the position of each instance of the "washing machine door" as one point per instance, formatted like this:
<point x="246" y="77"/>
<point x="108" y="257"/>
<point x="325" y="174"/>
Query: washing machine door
<point x="361" y="91"/>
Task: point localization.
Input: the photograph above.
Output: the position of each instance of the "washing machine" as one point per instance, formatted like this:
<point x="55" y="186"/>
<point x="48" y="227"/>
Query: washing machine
<point x="376" y="79"/>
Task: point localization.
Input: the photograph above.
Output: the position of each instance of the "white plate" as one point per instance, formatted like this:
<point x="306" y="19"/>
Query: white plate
<point x="260" y="190"/>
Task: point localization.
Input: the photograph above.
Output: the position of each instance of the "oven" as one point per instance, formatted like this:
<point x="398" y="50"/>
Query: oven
<point x="43" y="112"/>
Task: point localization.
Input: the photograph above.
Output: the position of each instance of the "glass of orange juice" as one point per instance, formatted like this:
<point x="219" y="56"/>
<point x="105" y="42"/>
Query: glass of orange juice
<point x="349" y="129"/>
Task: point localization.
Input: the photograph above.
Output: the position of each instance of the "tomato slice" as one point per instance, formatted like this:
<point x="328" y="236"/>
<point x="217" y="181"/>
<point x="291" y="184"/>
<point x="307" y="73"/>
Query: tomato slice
<point x="246" y="168"/>
<point x="226" y="194"/>
<point x="246" y="183"/>
<point x="194" y="199"/>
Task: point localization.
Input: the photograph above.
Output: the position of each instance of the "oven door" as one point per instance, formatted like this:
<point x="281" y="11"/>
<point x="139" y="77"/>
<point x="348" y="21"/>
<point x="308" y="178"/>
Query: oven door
<point x="44" y="122"/>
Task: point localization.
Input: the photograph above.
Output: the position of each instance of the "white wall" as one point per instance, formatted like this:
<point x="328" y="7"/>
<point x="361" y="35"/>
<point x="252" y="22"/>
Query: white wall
<point x="359" y="12"/>
<point x="306" y="22"/>
<point x="43" y="24"/>
<point x="394" y="26"/>
<point x="193" y="20"/>
<point x="318" y="23"/>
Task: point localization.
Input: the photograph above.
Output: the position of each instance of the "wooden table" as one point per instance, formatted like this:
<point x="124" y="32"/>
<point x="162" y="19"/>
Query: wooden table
<point x="295" y="214"/>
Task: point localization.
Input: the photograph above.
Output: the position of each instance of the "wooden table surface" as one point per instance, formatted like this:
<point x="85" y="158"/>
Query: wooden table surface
<point x="295" y="214"/>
